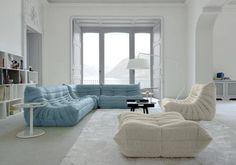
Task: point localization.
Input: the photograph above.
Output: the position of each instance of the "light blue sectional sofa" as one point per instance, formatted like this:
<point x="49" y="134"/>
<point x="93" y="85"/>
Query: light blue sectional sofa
<point x="68" y="104"/>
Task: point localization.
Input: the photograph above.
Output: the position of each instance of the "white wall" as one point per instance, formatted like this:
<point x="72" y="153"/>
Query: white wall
<point x="194" y="10"/>
<point x="11" y="26"/>
<point x="204" y="47"/>
<point x="201" y="20"/>
<point x="225" y="44"/>
<point x="56" y="57"/>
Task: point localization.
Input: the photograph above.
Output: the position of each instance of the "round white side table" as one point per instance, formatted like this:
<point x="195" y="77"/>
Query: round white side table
<point x="31" y="131"/>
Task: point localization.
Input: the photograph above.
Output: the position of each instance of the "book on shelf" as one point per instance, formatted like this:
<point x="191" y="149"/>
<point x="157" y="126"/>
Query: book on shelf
<point x="7" y="93"/>
<point x="3" y="111"/>
<point x="2" y="93"/>
<point x="13" y="110"/>
<point x="1" y="77"/>
<point x="1" y="61"/>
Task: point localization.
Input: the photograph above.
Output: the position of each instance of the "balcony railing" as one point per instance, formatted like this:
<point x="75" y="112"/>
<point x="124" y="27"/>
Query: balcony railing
<point x="143" y="82"/>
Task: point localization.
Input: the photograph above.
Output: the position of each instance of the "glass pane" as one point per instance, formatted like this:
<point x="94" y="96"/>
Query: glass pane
<point x="142" y="45"/>
<point x="116" y="58"/>
<point x="91" y="58"/>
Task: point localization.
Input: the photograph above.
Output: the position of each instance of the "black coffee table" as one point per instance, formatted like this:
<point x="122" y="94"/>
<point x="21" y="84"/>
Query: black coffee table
<point x="142" y="103"/>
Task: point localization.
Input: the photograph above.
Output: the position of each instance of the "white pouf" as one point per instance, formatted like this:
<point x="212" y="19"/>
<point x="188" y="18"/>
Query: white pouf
<point x="165" y="134"/>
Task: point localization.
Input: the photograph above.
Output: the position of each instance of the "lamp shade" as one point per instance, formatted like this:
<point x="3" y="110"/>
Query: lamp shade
<point x="138" y="63"/>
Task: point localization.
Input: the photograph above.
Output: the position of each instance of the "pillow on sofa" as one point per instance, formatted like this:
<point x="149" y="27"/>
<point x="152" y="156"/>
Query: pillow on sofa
<point x="160" y="135"/>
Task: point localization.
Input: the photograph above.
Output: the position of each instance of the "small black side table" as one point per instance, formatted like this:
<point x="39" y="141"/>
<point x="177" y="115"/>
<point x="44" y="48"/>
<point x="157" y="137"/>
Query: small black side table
<point x="143" y="103"/>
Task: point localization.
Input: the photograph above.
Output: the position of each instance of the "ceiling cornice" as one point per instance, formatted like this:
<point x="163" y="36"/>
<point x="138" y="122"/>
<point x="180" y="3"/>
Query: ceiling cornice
<point x="117" y="1"/>
<point x="127" y="5"/>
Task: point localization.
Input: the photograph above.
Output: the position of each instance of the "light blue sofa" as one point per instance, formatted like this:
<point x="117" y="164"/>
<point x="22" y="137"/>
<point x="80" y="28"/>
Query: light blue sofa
<point x="68" y="104"/>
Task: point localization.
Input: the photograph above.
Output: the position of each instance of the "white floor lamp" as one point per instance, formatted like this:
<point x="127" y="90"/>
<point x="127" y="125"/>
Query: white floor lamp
<point x="142" y="63"/>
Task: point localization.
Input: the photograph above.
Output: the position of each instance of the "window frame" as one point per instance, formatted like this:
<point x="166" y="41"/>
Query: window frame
<point x="131" y="31"/>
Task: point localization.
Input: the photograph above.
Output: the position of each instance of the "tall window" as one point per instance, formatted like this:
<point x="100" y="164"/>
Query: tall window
<point x="106" y="54"/>
<point x="116" y="58"/>
<point x="90" y="58"/>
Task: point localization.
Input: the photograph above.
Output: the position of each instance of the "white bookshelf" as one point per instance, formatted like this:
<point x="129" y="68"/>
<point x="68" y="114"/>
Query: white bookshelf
<point x="13" y="82"/>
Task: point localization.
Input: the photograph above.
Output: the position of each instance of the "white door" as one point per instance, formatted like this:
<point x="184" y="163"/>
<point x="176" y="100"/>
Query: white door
<point x="76" y="61"/>
<point x="116" y="55"/>
<point x="156" y="63"/>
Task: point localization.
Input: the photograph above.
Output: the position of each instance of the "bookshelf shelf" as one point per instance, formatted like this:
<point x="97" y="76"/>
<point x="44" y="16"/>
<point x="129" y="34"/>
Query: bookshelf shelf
<point x="13" y="80"/>
<point x="28" y="84"/>
<point x="12" y="69"/>
<point x="6" y="101"/>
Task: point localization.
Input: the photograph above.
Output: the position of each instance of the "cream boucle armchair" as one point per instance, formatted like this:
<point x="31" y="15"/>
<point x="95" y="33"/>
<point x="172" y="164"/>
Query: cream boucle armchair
<point x="199" y="105"/>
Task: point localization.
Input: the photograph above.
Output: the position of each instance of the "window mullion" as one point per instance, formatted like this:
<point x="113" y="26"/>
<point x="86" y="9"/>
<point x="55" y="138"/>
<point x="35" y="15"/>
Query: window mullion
<point x="131" y="56"/>
<point x="151" y="61"/>
<point x="101" y="58"/>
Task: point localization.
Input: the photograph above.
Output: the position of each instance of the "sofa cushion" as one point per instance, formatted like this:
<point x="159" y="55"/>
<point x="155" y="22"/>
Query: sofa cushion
<point x="84" y="90"/>
<point x="116" y="101"/>
<point x="120" y="90"/>
<point x="160" y="135"/>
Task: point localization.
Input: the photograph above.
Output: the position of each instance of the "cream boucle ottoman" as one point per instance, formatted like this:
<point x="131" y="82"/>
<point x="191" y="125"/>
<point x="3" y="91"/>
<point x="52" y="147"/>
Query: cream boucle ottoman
<point x="165" y="134"/>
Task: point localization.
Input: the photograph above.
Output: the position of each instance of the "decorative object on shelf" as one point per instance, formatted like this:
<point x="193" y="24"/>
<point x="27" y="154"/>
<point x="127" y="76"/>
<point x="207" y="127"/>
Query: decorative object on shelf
<point x="31" y="132"/>
<point x="1" y="61"/>
<point x="21" y="64"/>
<point x="9" y="62"/>
<point x="148" y="92"/>
<point x="7" y="79"/>
<point x="30" y="68"/>
<point x="13" y="110"/>
<point x="15" y="64"/>
<point x="220" y="75"/>
<point x="10" y="81"/>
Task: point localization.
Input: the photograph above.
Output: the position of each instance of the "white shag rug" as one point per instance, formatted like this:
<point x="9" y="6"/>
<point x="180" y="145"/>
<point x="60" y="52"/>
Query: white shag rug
<point x="95" y="145"/>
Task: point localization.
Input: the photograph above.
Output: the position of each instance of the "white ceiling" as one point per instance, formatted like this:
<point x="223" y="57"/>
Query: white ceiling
<point x="119" y="1"/>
